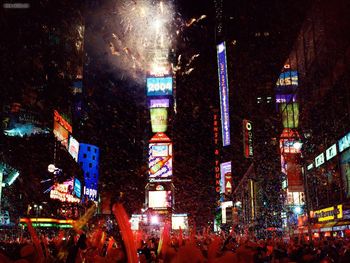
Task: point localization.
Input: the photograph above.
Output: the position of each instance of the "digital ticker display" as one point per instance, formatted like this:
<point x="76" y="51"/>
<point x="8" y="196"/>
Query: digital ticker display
<point x="224" y="93"/>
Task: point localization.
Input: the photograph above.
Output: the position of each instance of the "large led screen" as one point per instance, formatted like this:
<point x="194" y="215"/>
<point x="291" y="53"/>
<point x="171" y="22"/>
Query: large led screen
<point x="160" y="160"/>
<point x="290" y="115"/>
<point x="345" y="171"/>
<point x="224" y="94"/>
<point x="159" y="86"/>
<point x="159" y="119"/>
<point x="159" y="199"/>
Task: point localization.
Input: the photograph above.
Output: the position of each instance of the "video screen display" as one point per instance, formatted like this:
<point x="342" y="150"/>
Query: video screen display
<point x="159" y="199"/>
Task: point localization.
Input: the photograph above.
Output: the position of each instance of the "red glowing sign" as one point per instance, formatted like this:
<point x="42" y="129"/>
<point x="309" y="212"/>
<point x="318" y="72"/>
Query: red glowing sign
<point x="216" y="153"/>
<point x="248" y="138"/>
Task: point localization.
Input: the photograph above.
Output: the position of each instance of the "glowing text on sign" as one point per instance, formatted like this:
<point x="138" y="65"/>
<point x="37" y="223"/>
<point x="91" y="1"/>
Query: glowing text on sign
<point x="224" y="93"/>
<point x="331" y="152"/>
<point x="216" y="154"/>
<point x="319" y="160"/>
<point x="159" y="86"/>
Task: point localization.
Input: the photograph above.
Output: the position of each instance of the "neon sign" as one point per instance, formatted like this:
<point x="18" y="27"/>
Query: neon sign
<point x="224" y="93"/>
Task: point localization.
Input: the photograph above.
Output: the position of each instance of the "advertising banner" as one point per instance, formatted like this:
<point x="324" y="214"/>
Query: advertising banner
<point x="73" y="148"/>
<point x="285" y="98"/>
<point x="248" y="139"/>
<point x="159" y="119"/>
<point x="158" y="103"/>
<point x="159" y="86"/>
<point x="226" y="178"/>
<point x="290" y="115"/>
<point x="224" y="94"/>
<point x="287" y="82"/>
<point x="160" y="160"/>
<point x="61" y="129"/>
<point x="77" y="187"/>
<point x="64" y="192"/>
<point x="17" y="121"/>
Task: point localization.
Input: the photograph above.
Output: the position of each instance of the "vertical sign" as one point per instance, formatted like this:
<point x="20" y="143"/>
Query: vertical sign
<point x="226" y="178"/>
<point x="247" y="139"/>
<point x="224" y="93"/>
<point x="216" y="153"/>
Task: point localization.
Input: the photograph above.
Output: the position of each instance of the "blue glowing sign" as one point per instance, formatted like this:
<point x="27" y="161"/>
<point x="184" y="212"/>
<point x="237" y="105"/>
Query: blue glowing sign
<point x="77" y="187"/>
<point x="287" y="82"/>
<point x="224" y="94"/>
<point x="159" y="86"/>
<point x="344" y="142"/>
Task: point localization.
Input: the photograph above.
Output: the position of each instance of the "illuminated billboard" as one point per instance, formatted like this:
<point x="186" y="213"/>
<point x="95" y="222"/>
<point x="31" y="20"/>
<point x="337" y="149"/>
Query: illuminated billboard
<point x="224" y="93"/>
<point x="17" y="121"/>
<point x="226" y="178"/>
<point x="77" y="187"/>
<point x="344" y="142"/>
<point x="158" y="103"/>
<point x="216" y="152"/>
<point x="247" y="138"/>
<point x="294" y="173"/>
<point x="64" y="192"/>
<point x="160" y="160"/>
<point x="159" y="119"/>
<point x="160" y="150"/>
<point x="287" y="82"/>
<point x="73" y="148"/>
<point x="159" y="199"/>
<point x="159" y="86"/>
<point x="285" y="98"/>
<point x="331" y="152"/>
<point x="290" y="115"/>
<point x="61" y="129"/>
<point x="319" y="160"/>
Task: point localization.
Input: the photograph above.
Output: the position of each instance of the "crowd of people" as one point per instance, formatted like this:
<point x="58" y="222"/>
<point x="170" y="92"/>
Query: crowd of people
<point x="93" y="243"/>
